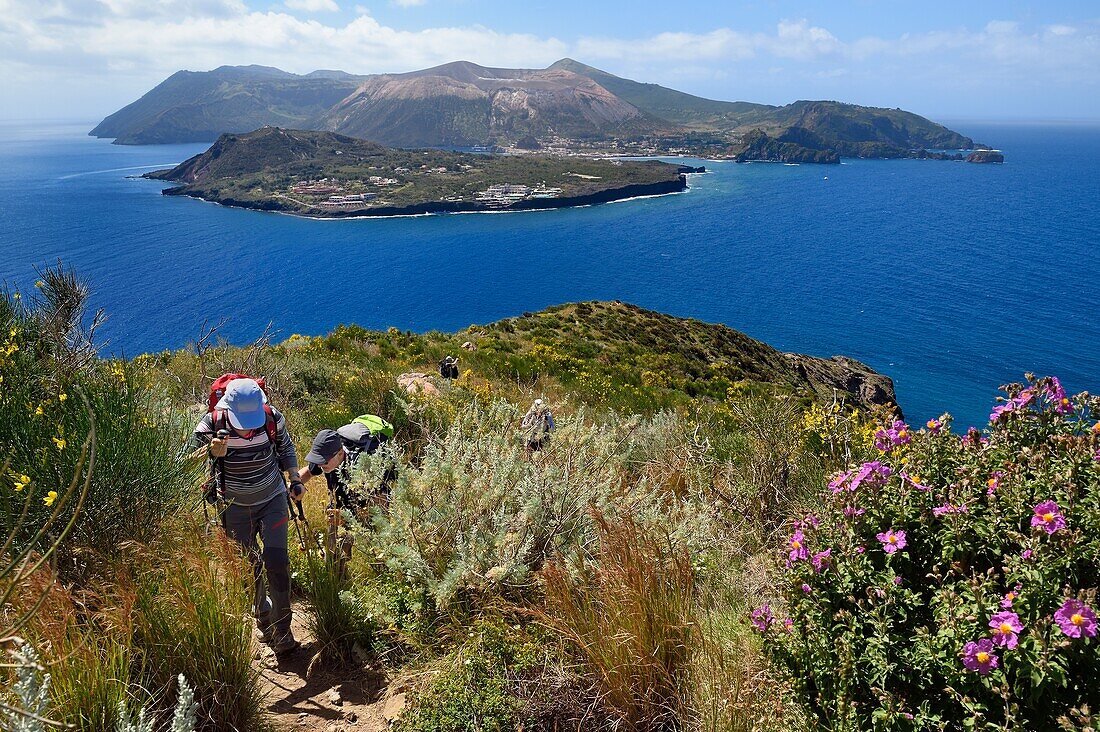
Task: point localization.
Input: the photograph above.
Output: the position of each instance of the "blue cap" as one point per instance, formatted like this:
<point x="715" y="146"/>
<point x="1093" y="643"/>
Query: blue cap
<point x="244" y="403"/>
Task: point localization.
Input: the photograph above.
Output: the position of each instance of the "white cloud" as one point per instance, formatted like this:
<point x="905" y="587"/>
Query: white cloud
<point x="408" y="3"/>
<point x="313" y="6"/>
<point x="122" y="47"/>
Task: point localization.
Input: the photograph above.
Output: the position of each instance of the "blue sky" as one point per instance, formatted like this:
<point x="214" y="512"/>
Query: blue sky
<point x="951" y="60"/>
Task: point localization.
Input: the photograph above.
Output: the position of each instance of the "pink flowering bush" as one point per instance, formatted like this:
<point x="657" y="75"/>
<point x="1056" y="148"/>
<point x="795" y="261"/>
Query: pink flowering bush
<point x="960" y="587"/>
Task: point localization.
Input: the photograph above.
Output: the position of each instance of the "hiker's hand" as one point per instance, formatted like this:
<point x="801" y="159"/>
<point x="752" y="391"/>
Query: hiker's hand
<point x="297" y="490"/>
<point x="219" y="446"/>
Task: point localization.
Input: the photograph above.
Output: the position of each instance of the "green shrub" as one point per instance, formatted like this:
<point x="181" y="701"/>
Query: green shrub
<point x="953" y="582"/>
<point x="46" y="358"/>
<point x="340" y="617"/>
<point x="479" y="686"/>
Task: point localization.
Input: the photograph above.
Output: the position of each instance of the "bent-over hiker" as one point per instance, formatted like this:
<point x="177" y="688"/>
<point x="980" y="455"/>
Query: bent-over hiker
<point x="537" y="425"/>
<point x="448" y="367"/>
<point x="249" y="442"/>
<point x="334" y="454"/>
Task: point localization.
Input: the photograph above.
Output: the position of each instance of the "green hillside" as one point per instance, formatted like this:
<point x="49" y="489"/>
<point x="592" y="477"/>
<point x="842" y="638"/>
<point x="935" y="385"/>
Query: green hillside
<point x="673" y="106"/>
<point x="200" y="106"/>
<point x="304" y="171"/>
<point x="707" y="541"/>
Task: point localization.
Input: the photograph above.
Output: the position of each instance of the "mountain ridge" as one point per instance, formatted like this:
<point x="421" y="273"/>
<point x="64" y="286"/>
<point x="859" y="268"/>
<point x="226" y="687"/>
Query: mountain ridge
<point x="567" y="105"/>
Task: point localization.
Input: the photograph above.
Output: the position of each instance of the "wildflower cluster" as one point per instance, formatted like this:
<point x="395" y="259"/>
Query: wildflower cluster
<point x="969" y="592"/>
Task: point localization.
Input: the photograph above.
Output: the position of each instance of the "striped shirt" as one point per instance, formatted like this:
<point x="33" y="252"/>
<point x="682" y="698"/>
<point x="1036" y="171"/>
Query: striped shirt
<point x="253" y="466"/>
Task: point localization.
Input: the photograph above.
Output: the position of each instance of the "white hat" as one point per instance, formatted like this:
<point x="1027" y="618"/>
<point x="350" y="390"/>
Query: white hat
<point x="243" y="403"/>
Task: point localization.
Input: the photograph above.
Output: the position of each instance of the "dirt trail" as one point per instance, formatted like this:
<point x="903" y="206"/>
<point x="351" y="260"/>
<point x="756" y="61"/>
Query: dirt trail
<point x="322" y="699"/>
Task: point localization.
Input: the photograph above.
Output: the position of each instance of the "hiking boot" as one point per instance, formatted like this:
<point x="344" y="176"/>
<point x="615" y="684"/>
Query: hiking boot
<point x="267" y="633"/>
<point x="285" y="644"/>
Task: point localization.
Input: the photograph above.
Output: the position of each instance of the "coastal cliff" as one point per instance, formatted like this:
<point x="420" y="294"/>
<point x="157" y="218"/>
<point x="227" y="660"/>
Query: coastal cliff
<point x="608" y="195"/>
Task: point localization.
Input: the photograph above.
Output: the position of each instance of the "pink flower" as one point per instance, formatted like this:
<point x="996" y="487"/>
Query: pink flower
<point x="1006" y="625"/>
<point x="853" y="512"/>
<point x="836" y="485"/>
<point x="1014" y="404"/>
<point x="994" y="482"/>
<point x="1010" y="597"/>
<point x="762" y="617"/>
<point x="1076" y="619"/>
<point x="897" y="581"/>
<point x="1057" y="396"/>
<point x="806" y="588"/>
<point x="978" y="656"/>
<point x="812" y="520"/>
<point x="892" y="540"/>
<point x="887" y="438"/>
<point x="788" y="624"/>
<point x="1049" y="517"/>
<point x="915" y="482"/>
<point x="860" y="549"/>
<point x="872" y="474"/>
<point x="974" y="438"/>
<point x="1025" y="554"/>
<point x="797" y="544"/>
<point x="934" y="426"/>
<point x="822" y="560"/>
<point x="949" y="508"/>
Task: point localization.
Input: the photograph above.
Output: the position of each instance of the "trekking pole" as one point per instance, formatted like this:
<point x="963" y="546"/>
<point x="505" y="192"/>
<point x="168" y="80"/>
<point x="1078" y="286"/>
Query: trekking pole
<point x="299" y="518"/>
<point x="214" y="488"/>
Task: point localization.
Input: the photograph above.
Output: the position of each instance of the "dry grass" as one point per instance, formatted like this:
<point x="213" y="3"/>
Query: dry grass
<point x="630" y="618"/>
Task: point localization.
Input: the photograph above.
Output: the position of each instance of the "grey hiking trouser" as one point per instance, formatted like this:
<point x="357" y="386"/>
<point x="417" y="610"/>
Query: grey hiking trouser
<point x="266" y="522"/>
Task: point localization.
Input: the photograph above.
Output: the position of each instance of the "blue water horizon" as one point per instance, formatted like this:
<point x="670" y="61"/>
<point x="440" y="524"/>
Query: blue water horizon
<point x="951" y="278"/>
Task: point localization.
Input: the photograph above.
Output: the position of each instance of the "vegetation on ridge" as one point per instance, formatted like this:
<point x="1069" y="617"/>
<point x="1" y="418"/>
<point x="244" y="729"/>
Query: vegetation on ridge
<point x="635" y="574"/>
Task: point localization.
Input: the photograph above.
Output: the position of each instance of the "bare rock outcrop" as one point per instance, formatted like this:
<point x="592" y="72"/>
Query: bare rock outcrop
<point x="846" y="375"/>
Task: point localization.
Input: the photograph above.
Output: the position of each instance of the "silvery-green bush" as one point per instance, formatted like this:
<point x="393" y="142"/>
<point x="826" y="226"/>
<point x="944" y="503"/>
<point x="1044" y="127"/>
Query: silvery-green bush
<point x="474" y="515"/>
<point x="27" y="709"/>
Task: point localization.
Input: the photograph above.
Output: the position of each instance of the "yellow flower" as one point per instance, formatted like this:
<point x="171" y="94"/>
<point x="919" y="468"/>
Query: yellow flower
<point x="17" y="296"/>
<point x="50" y="498"/>
<point x="39" y="284"/>
<point x="62" y="397"/>
<point x="38" y="411"/>
<point x="22" y="481"/>
<point x="60" y="442"/>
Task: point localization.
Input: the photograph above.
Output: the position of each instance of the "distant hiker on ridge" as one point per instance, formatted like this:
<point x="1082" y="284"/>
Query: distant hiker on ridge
<point x="537" y="425"/>
<point x="448" y="367"/>
<point x="250" y="447"/>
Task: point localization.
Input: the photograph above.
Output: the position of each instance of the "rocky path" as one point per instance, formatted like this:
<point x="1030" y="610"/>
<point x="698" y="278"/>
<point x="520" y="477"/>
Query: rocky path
<point x="321" y="699"/>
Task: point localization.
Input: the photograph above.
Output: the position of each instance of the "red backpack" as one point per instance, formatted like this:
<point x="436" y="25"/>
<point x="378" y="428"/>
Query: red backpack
<point x="220" y="420"/>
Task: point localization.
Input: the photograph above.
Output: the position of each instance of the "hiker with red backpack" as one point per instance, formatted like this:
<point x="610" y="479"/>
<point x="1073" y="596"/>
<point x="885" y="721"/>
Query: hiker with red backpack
<point x="250" y="448"/>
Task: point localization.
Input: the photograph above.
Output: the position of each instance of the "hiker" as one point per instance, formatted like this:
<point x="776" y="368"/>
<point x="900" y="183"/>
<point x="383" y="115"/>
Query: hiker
<point x="537" y="424"/>
<point x="251" y="448"/>
<point x="334" y="454"/>
<point x="448" y="367"/>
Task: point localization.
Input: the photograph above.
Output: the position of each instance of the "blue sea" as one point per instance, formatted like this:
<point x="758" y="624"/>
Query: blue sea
<point x="951" y="278"/>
